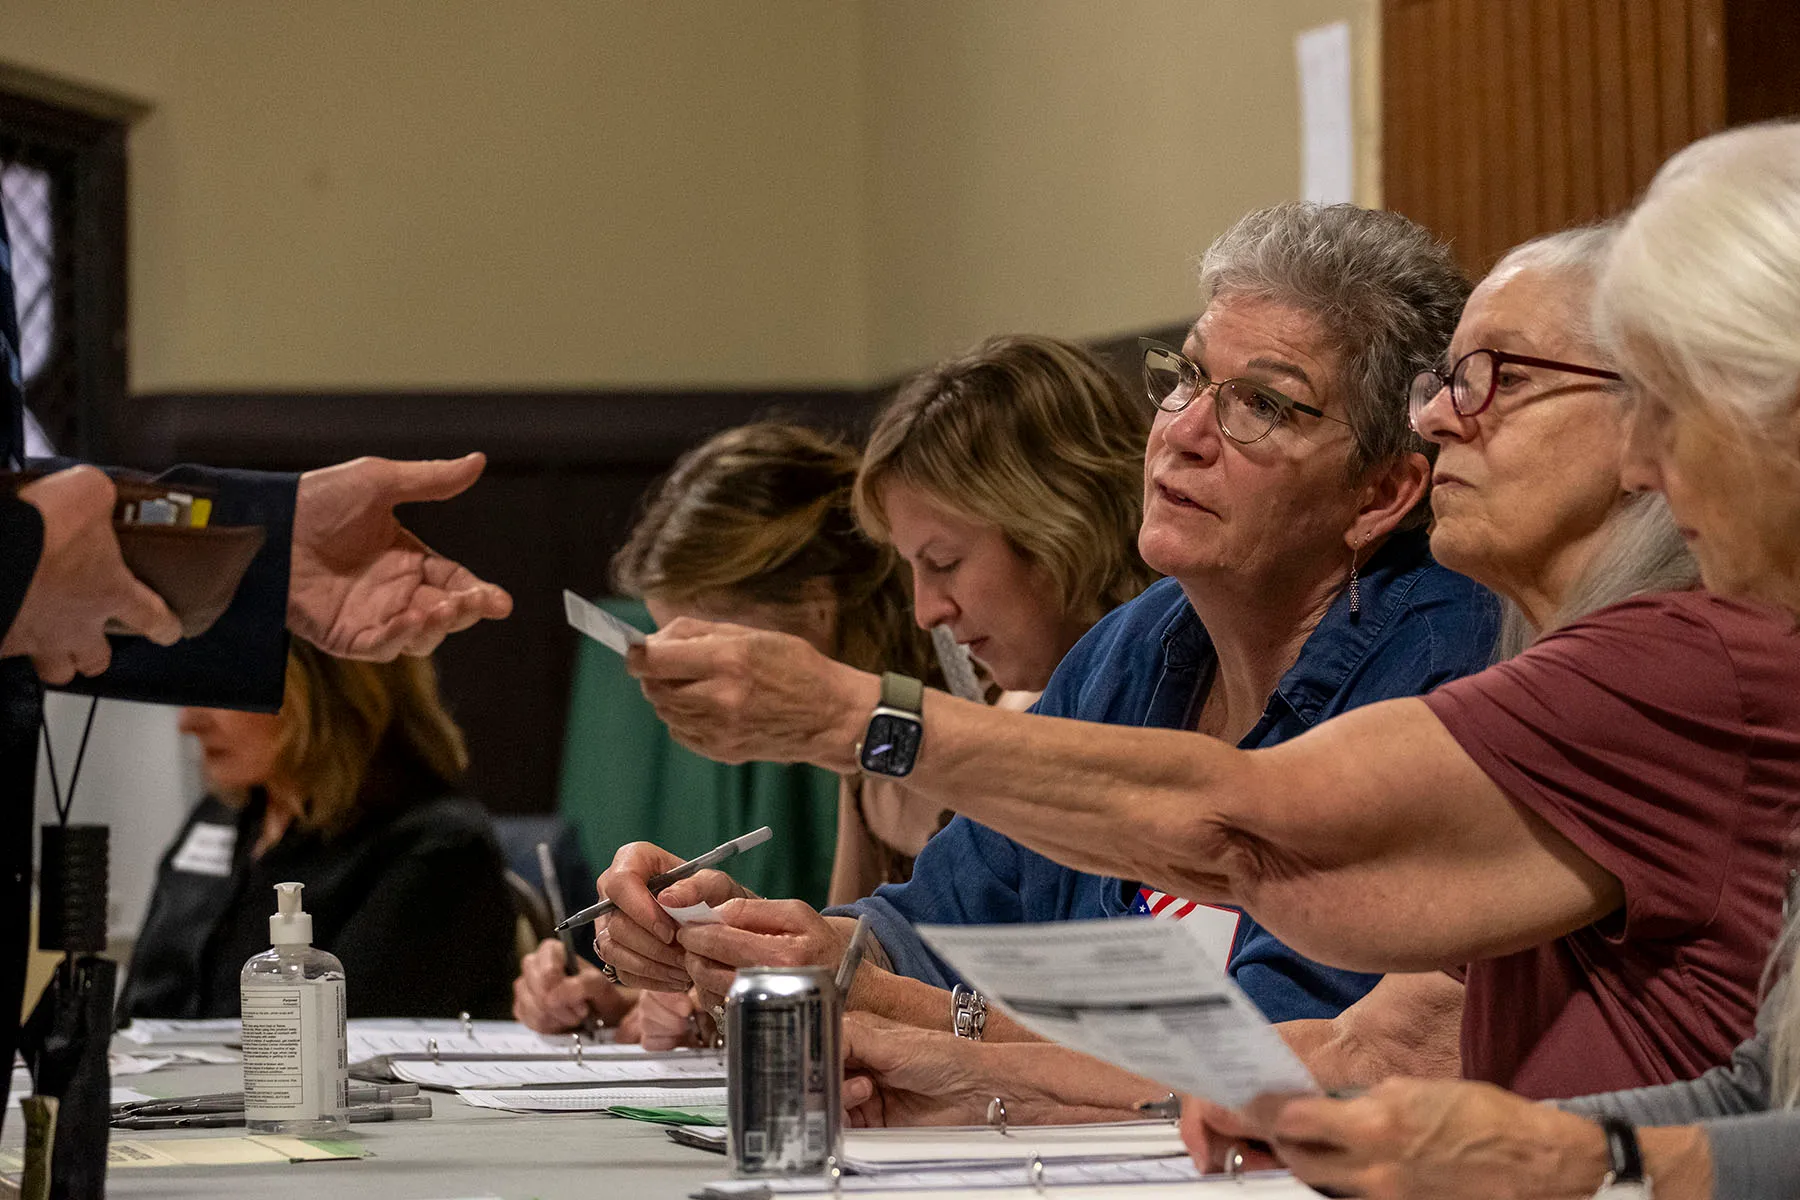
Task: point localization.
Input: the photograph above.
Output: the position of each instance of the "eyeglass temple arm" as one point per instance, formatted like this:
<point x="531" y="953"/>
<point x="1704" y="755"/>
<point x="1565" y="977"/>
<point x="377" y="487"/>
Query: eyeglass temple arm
<point x="1526" y="360"/>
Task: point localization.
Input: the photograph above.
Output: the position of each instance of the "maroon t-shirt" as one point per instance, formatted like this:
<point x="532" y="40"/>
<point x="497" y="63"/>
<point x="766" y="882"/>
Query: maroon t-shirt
<point x="1662" y="737"/>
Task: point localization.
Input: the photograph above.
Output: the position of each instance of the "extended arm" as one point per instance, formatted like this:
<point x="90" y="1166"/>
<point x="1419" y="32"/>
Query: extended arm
<point x="1342" y="842"/>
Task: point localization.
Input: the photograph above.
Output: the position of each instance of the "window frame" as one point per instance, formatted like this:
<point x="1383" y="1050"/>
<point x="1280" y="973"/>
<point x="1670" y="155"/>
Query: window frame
<point x="84" y="152"/>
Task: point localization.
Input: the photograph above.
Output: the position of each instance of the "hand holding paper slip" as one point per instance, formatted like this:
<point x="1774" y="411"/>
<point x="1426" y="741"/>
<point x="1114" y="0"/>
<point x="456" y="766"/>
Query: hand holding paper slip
<point x="1142" y="995"/>
<point x="616" y="635"/>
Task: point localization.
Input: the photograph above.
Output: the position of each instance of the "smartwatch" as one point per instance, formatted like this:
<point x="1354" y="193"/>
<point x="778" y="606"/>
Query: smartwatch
<point x="890" y="744"/>
<point x="1625" y="1179"/>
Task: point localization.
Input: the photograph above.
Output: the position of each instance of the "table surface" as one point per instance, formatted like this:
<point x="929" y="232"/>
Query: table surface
<point x="460" y="1151"/>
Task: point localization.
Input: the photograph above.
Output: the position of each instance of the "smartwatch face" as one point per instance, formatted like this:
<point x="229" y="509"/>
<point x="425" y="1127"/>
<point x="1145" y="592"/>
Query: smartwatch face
<point x="891" y="744"/>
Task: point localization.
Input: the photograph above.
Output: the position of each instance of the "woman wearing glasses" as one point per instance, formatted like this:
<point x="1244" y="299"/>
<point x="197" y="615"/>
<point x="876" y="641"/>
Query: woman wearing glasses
<point x="1287" y="503"/>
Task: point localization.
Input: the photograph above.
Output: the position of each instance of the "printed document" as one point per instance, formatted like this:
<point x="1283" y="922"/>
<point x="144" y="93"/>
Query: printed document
<point x="692" y="1068"/>
<point x="1143" y="995"/>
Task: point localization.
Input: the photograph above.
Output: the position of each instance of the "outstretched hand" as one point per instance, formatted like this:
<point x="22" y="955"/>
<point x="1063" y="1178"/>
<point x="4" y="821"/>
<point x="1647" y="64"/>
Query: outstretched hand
<point x="362" y="586"/>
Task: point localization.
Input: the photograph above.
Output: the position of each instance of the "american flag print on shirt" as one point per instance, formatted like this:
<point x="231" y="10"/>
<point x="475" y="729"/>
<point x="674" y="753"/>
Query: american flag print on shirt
<point x="1218" y="926"/>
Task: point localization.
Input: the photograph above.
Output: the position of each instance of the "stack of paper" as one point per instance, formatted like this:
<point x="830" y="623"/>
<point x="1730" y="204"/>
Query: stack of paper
<point x="592" y="1099"/>
<point x="493" y="1039"/>
<point x="890" y="1151"/>
<point x="690" y="1067"/>
<point x="1157" y="1179"/>
<point x="148" y="1031"/>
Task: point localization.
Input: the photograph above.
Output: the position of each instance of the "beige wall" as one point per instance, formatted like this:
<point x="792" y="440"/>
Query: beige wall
<point x="370" y="193"/>
<point x="540" y="192"/>
<point x="1054" y="165"/>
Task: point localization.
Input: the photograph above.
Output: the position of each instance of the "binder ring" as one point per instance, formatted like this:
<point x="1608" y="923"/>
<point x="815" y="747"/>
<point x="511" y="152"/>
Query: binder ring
<point x="1234" y="1162"/>
<point x="996" y="1114"/>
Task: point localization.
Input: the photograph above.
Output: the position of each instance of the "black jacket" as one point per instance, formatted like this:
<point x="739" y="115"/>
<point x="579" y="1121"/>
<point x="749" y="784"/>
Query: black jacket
<point x="411" y="898"/>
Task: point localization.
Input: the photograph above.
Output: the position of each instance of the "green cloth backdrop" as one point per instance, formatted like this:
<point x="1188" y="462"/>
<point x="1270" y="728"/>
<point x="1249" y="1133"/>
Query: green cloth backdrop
<point x="625" y="780"/>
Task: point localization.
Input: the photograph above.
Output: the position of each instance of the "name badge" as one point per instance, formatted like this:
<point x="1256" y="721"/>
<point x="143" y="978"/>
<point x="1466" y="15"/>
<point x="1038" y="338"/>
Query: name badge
<point x="207" y="850"/>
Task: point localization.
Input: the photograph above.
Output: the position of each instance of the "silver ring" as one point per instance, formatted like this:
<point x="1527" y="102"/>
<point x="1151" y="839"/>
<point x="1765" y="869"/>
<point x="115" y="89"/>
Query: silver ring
<point x="610" y="971"/>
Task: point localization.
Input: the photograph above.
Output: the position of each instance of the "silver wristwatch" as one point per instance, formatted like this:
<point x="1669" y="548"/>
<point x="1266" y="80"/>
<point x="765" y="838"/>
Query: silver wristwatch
<point x="968" y="1013"/>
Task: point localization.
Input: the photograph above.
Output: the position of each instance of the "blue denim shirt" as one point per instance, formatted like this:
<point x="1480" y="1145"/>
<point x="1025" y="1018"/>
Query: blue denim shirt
<point x="1420" y="625"/>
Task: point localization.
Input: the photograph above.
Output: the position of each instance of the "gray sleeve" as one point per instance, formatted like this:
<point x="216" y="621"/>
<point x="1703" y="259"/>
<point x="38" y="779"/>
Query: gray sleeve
<point x="1740" y="1086"/>
<point x="904" y="948"/>
<point x="1756" y="1157"/>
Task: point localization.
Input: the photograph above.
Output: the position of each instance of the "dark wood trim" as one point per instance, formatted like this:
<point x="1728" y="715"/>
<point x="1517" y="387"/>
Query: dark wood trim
<point x="1762" y="46"/>
<point x="68" y="97"/>
<point x="296" y="430"/>
<point x="88" y="153"/>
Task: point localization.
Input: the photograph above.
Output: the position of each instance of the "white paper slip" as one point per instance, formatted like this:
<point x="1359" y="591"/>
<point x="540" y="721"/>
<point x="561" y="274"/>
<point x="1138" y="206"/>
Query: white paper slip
<point x="693" y="1068"/>
<point x="213" y="1031"/>
<point x="137" y="1064"/>
<point x="695" y="914"/>
<point x="592" y="1099"/>
<point x="616" y="635"/>
<point x="1143" y="995"/>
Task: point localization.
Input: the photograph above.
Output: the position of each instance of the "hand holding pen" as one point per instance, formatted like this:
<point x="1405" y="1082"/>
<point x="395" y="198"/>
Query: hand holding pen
<point x="636" y="936"/>
<point x="590" y="1024"/>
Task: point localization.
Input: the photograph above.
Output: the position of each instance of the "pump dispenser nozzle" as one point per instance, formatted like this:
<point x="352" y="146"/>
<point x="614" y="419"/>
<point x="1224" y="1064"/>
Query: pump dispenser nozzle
<point x="291" y="925"/>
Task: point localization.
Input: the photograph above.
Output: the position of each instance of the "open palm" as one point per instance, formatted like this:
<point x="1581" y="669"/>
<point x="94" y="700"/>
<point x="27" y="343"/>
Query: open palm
<point x="362" y="586"/>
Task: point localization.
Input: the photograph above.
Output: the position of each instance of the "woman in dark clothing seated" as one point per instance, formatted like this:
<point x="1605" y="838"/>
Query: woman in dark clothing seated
<point x="350" y="790"/>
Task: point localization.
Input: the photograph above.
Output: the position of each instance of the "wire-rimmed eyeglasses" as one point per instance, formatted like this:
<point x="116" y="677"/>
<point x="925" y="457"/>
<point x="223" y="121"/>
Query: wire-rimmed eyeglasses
<point x="1475" y="378"/>
<point x="1246" y="410"/>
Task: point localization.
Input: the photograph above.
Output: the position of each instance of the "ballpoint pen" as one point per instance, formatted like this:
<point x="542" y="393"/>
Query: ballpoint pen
<point x="415" y="1109"/>
<point x="217" y="1102"/>
<point x="686" y="870"/>
<point x="853" y="955"/>
<point x="590" y="1025"/>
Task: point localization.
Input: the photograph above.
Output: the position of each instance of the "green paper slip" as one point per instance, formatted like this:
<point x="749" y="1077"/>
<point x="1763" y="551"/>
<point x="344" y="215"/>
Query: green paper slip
<point x="707" y="1115"/>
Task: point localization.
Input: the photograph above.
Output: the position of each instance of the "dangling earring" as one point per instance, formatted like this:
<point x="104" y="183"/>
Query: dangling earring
<point x="1355" y="590"/>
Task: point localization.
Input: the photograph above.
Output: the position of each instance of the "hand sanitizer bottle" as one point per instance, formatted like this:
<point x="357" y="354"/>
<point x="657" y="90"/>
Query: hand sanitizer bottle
<point x="296" y="1076"/>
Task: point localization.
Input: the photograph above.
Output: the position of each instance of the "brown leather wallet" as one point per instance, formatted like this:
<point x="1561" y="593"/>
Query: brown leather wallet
<point x="195" y="571"/>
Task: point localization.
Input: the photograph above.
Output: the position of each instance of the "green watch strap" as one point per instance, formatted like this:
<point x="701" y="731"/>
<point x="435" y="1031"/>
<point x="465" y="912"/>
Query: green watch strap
<point x="902" y="692"/>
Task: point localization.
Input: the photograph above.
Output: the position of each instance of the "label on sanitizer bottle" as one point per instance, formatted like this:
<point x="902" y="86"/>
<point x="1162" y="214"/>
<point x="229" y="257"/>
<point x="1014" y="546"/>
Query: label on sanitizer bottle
<point x="295" y="1051"/>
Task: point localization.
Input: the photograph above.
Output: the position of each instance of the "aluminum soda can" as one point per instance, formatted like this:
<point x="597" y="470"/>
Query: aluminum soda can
<point x="782" y="1069"/>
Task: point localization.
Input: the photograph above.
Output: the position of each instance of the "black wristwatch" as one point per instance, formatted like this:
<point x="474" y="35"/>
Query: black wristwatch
<point x="890" y="744"/>
<point x="1625" y="1179"/>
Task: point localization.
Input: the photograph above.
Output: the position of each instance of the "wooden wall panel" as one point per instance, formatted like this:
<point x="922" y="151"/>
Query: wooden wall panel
<point x="1504" y="119"/>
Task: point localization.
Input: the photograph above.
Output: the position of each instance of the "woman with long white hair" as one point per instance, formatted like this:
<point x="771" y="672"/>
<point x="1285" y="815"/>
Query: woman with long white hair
<point x="1700" y="299"/>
